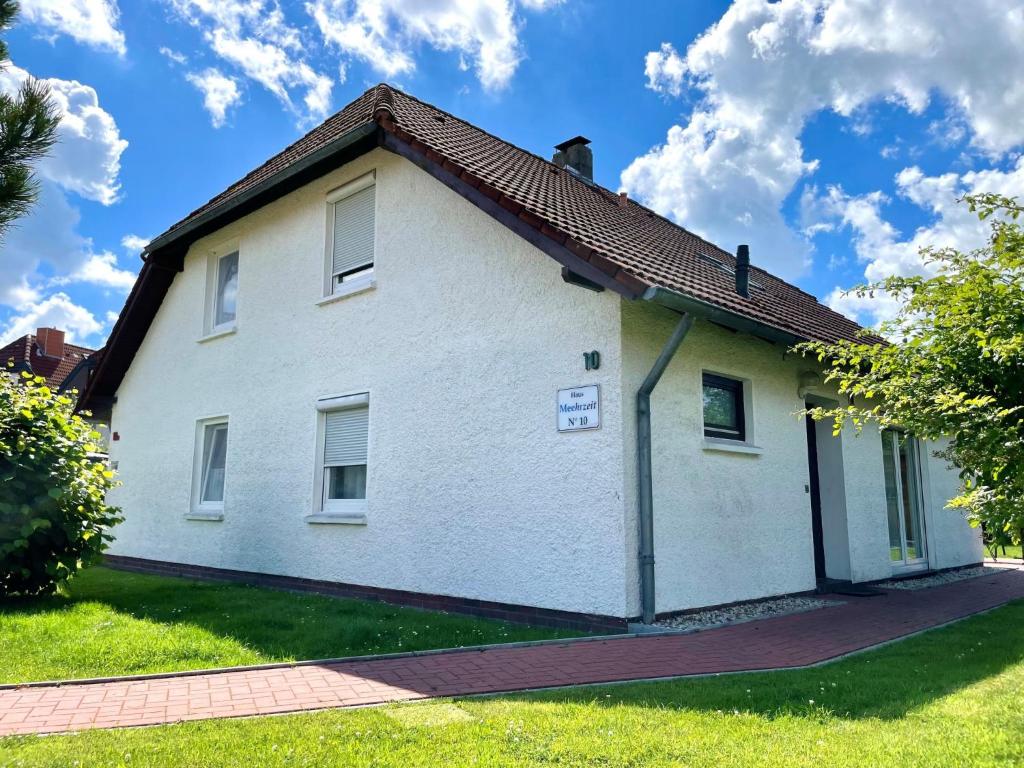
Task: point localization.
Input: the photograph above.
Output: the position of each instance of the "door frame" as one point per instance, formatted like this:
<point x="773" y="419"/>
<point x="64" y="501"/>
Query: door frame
<point x="909" y="565"/>
<point x="814" y="488"/>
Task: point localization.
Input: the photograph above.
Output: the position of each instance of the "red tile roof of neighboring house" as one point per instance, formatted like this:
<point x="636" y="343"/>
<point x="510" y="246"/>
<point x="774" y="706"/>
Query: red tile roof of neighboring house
<point x="26" y="355"/>
<point x="626" y="247"/>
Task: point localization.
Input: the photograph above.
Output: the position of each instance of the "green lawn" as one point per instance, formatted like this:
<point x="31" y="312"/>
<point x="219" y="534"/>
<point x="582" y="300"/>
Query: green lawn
<point x="116" y="623"/>
<point x="952" y="697"/>
<point x="1011" y="550"/>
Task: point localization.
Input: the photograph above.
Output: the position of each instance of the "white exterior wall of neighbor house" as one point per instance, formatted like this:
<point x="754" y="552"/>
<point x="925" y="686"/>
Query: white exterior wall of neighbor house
<point x="462" y="345"/>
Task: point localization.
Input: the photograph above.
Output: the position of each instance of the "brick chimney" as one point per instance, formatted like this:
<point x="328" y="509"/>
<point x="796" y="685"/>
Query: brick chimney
<point x="50" y="341"/>
<point x="576" y="155"/>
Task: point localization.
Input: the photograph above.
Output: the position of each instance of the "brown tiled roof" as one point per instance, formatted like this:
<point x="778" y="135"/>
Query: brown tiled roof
<point x="631" y="243"/>
<point x="25" y="355"/>
<point x="629" y="247"/>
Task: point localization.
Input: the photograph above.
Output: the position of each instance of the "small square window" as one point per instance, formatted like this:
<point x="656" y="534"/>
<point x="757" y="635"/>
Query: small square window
<point x="723" y="408"/>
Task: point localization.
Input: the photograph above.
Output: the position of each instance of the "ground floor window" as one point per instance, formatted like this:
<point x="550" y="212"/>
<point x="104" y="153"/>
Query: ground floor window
<point x="345" y="427"/>
<point x="723" y="407"/>
<point x="900" y="454"/>
<point x="210" y="464"/>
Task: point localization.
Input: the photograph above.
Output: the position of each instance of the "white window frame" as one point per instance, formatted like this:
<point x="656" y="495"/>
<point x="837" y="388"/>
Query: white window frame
<point x="339" y="511"/>
<point x="724" y="444"/>
<point x="333" y="291"/>
<point x="211" y="329"/>
<point x="199" y="509"/>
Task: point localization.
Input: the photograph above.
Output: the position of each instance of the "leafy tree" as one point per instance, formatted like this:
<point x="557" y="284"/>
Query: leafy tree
<point x="28" y="128"/>
<point x="954" y="371"/>
<point x="53" y="517"/>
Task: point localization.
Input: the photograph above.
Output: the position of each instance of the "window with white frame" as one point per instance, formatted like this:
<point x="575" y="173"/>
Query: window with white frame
<point x="344" y="437"/>
<point x="350" y="234"/>
<point x="210" y="464"/>
<point x="226" y="298"/>
<point x="221" y="291"/>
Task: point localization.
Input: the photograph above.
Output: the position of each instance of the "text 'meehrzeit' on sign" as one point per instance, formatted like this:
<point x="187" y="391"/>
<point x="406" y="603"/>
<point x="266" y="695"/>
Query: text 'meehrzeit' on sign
<point x="579" y="408"/>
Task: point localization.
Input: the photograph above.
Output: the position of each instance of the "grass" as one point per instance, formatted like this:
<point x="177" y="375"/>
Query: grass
<point x="116" y="623"/>
<point x="1010" y="550"/>
<point x="952" y="697"/>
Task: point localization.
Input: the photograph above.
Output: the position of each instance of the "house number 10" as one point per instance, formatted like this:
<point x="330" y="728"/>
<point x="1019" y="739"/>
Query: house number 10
<point x="592" y="360"/>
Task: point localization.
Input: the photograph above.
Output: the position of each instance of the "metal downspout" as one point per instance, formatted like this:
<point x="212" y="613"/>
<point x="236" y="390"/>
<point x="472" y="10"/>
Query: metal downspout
<point x="645" y="483"/>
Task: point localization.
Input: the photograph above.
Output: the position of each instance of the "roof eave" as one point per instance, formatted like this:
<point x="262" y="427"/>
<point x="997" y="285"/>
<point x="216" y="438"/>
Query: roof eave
<point x="681" y="303"/>
<point x="177" y="241"/>
<point x="221" y="214"/>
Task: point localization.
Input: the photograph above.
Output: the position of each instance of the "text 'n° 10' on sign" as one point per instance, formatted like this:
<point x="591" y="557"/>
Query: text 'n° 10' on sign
<point x="579" y="408"/>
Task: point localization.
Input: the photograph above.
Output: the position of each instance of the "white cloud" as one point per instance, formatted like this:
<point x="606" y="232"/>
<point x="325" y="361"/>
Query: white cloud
<point x="253" y="36"/>
<point x="56" y="311"/>
<point x="93" y="22"/>
<point x="176" y="56"/>
<point x="87" y="156"/>
<point x="765" y="67"/>
<point x="385" y="33"/>
<point x="100" y="269"/>
<point x="45" y="248"/>
<point x="134" y="244"/>
<point x="882" y="248"/>
<point x="220" y="93"/>
<point x="665" y="70"/>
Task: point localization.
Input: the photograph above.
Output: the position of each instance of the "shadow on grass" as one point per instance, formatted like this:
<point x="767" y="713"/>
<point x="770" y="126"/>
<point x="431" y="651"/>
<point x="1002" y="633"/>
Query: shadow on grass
<point x="259" y="624"/>
<point x="885" y="684"/>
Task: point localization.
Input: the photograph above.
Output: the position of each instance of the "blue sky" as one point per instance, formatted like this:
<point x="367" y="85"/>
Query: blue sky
<point x="832" y="136"/>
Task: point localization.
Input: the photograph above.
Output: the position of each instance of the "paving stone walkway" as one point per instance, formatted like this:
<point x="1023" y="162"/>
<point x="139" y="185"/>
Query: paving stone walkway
<point x="775" y="643"/>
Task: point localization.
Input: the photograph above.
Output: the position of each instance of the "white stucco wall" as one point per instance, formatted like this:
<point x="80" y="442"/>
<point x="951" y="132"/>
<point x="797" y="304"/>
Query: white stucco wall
<point x="735" y="526"/>
<point x="727" y="526"/>
<point x="866" y="516"/>
<point x="462" y="346"/>
<point x="951" y="540"/>
<point x="471" y="491"/>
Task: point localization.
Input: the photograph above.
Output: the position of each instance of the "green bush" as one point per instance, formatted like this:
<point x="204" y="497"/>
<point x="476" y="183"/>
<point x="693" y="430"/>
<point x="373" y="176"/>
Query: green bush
<point x="53" y="517"/>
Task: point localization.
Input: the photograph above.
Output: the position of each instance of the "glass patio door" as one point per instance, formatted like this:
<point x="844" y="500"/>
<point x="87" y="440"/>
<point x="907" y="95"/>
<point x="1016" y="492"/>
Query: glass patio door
<point x="904" y="500"/>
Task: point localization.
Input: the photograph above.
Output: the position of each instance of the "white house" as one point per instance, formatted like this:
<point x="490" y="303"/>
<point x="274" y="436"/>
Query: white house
<point x="407" y="360"/>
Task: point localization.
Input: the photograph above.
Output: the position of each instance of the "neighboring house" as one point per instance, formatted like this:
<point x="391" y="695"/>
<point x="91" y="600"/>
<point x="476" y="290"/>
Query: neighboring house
<point x="406" y="358"/>
<point x="66" y="367"/>
<point x="46" y="354"/>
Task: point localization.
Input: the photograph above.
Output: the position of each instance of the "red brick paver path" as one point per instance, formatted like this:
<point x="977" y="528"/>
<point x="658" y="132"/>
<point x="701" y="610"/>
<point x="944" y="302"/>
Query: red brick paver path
<point x="785" y="641"/>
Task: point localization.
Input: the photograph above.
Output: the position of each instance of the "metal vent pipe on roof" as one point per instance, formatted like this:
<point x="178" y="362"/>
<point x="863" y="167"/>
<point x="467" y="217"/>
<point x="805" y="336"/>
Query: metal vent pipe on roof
<point x="743" y="270"/>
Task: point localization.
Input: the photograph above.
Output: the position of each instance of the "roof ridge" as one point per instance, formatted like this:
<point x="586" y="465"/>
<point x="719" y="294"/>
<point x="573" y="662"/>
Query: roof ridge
<point x="591" y="185"/>
<point x="609" y="196"/>
<point x="383" y="100"/>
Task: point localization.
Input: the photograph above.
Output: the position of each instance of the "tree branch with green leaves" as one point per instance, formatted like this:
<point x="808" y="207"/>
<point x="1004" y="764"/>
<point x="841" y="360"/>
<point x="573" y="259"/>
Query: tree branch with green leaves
<point x="28" y="129"/>
<point x="953" y="371"/>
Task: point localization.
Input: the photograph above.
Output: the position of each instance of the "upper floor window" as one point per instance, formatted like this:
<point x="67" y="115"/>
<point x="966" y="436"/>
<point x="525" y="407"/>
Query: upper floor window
<point x="350" y="235"/>
<point x="723" y="408"/>
<point x="227" y="291"/>
<point x="221" y="290"/>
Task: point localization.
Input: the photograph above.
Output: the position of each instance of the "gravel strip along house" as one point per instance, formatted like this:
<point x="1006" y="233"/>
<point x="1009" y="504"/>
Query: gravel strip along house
<point x="404" y="359"/>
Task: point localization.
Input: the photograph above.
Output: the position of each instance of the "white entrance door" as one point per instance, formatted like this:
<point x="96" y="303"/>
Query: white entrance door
<point x="901" y="454"/>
